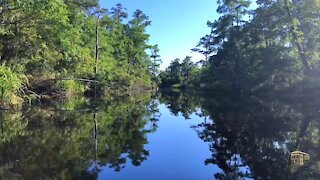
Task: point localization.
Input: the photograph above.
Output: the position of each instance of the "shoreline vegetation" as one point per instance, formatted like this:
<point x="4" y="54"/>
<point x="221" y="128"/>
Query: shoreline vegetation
<point x="70" y="48"/>
<point x="59" y="49"/>
<point x="267" y="47"/>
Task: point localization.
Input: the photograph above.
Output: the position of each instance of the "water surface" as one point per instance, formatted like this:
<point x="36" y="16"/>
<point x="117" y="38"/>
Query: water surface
<point x="173" y="135"/>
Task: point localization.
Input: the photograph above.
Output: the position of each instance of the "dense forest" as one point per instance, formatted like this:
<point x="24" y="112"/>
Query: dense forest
<point x="62" y="47"/>
<point x="267" y="46"/>
<point x="100" y="107"/>
<point x="65" y="47"/>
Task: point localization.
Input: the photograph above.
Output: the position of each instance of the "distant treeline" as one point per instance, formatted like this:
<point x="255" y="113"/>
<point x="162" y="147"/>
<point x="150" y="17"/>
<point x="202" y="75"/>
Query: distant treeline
<point x="267" y="46"/>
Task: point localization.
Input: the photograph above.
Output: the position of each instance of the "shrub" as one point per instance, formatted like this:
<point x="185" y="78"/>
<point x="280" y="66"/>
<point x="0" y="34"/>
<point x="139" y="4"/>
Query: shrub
<point x="11" y="86"/>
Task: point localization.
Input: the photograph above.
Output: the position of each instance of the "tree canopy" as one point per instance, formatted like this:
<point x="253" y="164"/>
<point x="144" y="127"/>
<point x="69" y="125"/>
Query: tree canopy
<point x="271" y="46"/>
<point x="58" y="40"/>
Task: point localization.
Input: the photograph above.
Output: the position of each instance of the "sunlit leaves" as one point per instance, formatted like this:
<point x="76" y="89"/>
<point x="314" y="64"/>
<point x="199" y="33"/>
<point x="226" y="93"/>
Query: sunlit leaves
<point x="10" y="86"/>
<point x="56" y="39"/>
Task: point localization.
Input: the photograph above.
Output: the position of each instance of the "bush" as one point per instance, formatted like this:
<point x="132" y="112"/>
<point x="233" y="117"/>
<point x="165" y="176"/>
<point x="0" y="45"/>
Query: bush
<point x="73" y="87"/>
<point x="11" y="86"/>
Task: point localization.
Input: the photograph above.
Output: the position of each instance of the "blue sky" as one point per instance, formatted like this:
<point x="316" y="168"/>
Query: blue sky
<point x="177" y="25"/>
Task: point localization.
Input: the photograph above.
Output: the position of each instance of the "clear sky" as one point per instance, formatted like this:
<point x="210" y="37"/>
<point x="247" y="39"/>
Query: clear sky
<point x="177" y="25"/>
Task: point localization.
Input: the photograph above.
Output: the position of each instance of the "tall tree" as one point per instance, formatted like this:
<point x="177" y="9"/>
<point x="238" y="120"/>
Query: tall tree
<point x="155" y="65"/>
<point x="187" y="69"/>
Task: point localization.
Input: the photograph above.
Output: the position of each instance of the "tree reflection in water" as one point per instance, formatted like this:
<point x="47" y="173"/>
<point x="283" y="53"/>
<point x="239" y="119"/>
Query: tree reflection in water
<point x="252" y="137"/>
<point x="249" y="137"/>
<point x="50" y="143"/>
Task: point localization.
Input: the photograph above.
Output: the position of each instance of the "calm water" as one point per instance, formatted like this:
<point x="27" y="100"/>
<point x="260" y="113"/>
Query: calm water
<point x="165" y="136"/>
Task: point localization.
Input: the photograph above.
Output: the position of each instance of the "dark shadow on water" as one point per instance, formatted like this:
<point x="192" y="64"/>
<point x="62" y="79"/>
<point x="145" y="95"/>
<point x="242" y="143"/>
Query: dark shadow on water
<point x="252" y="137"/>
<point x="249" y="136"/>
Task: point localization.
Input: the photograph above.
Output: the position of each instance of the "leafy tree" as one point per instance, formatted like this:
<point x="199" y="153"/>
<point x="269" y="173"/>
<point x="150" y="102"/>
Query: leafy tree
<point x="188" y="69"/>
<point x="266" y="49"/>
<point x="182" y="74"/>
<point x="205" y="47"/>
<point x="51" y="42"/>
<point x="155" y="65"/>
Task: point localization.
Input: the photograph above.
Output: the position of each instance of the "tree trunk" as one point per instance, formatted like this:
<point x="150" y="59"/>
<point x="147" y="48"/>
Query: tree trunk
<point x="97" y="57"/>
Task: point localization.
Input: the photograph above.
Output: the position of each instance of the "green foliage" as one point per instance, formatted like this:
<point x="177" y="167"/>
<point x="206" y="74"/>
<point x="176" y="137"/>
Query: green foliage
<point x="184" y="73"/>
<point x="155" y="65"/>
<point x="273" y="47"/>
<point x="57" y="38"/>
<point x="73" y="87"/>
<point x="10" y="86"/>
